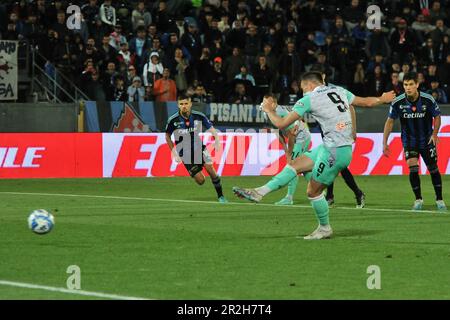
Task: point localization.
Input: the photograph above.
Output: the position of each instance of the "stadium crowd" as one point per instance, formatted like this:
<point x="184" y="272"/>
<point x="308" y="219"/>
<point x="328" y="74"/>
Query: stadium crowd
<point x="234" y="51"/>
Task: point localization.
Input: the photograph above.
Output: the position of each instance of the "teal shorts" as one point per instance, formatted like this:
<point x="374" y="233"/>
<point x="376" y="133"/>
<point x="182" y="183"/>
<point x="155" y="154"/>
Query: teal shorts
<point x="329" y="162"/>
<point x="300" y="148"/>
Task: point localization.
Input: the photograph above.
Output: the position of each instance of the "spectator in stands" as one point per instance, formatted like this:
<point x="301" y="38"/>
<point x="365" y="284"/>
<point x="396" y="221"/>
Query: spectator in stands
<point x="200" y="95"/>
<point x="153" y="70"/>
<point x="444" y="75"/>
<point x="125" y="56"/>
<point x="443" y="49"/>
<point x="32" y="30"/>
<point x="11" y="32"/>
<point x="60" y="26"/>
<point x="377" y="60"/>
<point x="118" y="92"/>
<point x="339" y="30"/>
<point x="289" y="65"/>
<point x="428" y="53"/>
<point x="293" y="95"/>
<point x="139" y="46"/>
<point x="359" y="80"/>
<point x="422" y="27"/>
<point x="402" y="41"/>
<point x="156" y="47"/>
<point x="252" y="43"/>
<point x="107" y="52"/>
<point x="236" y="36"/>
<point x="323" y="66"/>
<point x="376" y="82"/>
<point x="218" y="81"/>
<point x="422" y="82"/>
<point x="165" y="89"/>
<point x="117" y="38"/>
<point x="152" y="32"/>
<point x="109" y="76"/>
<point x="245" y="76"/>
<point x="439" y="95"/>
<point x="135" y="92"/>
<point x="192" y="42"/>
<point x="436" y="12"/>
<point x="233" y="64"/>
<point x="308" y="50"/>
<point x="205" y="68"/>
<point x="377" y="42"/>
<point x="65" y="57"/>
<point x="439" y="32"/>
<point x="271" y="59"/>
<point x="263" y="78"/>
<point x="240" y="95"/>
<point x="161" y="15"/>
<point x="108" y="13"/>
<point x="140" y="16"/>
<point x="431" y="72"/>
<point x="90" y="10"/>
<point x="99" y="30"/>
<point x="353" y="14"/>
<point x="94" y="88"/>
<point x="131" y="75"/>
<point x="181" y="66"/>
<point x="395" y="84"/>
<point x="14" y="19"/>
<point x="405" y="69"/>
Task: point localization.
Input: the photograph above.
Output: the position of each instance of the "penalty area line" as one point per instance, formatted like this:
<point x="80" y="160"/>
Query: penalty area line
<point x="208" y="202"/>
<point x="68" y="291"/>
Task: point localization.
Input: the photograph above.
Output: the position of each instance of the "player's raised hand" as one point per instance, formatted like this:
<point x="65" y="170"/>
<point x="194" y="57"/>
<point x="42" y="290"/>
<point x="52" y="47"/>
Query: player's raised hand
<point x="388" y="97"/>
<point x="434" y="139"/>
<point x="268" y="105"/>
<point x="386" y="151"/>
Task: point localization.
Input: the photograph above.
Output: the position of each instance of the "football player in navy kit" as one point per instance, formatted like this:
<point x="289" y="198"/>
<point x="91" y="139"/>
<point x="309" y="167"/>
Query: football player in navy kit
<point x="186" y="126"/>
<point x="417" y="112"/>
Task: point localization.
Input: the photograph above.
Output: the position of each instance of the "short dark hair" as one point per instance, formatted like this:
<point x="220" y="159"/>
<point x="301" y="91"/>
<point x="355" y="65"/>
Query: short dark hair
<point x="183" y="96"/>
<point x="411" y="76"/>
<point x="312" y="76"/>
<point x="271" y="95"/>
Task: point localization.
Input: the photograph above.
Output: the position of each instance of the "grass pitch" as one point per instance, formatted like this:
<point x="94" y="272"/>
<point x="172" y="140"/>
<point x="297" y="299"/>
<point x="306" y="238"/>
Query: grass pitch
<point x="139" y="238"/>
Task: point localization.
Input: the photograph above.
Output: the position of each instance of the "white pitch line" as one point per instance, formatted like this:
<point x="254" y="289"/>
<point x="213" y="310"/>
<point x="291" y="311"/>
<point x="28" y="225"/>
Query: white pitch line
<point x="68" y="291"/>
<point x="209" y="202"/>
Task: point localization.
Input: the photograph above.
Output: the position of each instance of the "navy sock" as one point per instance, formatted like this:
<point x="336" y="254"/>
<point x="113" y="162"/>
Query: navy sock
<point x="218" y="186"/>
<point x="437" y="183"/>
<point x="414" y="179"/>
<point x="350" y="181"/>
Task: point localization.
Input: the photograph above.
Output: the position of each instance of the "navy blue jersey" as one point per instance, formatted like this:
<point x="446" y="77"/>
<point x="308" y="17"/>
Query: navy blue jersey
<point x="188" y="130"/>
<point x="416" y="119"/>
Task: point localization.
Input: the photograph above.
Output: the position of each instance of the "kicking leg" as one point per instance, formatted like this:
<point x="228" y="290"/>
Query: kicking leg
<point x="301" y="164"/>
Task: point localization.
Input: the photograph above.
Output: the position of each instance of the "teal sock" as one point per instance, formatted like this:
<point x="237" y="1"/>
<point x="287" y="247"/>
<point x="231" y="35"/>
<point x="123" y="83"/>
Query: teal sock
<point x="320" y="206"/>
<point x="292" y="186"/>
<point x="279" y="181"/>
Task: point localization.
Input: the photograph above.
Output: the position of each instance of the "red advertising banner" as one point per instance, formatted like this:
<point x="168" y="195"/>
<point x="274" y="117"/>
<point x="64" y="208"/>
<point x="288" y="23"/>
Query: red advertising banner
<point x="97" y="155"/>
<point x="50" y="155"/>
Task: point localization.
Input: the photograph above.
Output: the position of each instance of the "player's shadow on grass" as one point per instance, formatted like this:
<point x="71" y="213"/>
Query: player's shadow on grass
<point x="348" y="233"/>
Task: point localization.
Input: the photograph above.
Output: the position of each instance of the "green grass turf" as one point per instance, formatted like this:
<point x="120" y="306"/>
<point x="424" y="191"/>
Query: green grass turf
<point x="189" y="250"/>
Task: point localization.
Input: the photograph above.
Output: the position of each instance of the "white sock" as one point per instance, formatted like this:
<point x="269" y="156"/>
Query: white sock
<point x="263" y="190"/>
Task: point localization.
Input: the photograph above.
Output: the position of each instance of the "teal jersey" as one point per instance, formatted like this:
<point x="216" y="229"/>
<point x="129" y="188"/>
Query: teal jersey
<point x="330" y="106"/>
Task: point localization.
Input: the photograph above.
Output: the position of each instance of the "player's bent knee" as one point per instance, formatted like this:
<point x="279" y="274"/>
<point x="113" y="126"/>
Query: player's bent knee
<point x="200" y="179"/>
<point x="414" y="169"/>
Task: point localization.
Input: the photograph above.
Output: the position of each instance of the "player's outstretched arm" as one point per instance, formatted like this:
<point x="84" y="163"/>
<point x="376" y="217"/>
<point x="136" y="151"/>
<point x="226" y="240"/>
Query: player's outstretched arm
<point x="386" y="132"/>
<point x="269" y="106"/>
<point x="369" y="102"/>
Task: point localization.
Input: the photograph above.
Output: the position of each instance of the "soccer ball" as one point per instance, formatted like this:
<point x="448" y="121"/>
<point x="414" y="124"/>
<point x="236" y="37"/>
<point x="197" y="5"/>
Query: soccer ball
<point x="41" y="221"/>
